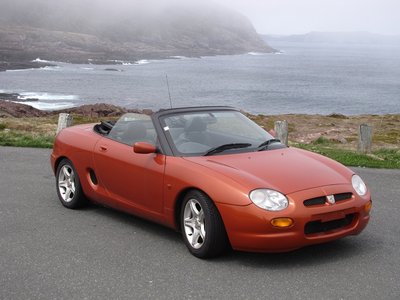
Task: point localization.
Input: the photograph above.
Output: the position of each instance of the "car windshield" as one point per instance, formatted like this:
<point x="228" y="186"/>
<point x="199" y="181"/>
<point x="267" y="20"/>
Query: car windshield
<point x="213" y="132"/>
<point x="132" y="128"/>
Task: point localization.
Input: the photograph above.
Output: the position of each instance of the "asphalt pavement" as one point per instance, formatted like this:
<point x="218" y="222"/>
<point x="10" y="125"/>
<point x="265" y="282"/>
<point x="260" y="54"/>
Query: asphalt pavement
<point x="50" y="252"/>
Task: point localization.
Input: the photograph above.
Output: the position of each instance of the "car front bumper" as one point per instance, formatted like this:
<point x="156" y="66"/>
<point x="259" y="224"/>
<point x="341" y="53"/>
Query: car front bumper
<point x="249" y="227"/>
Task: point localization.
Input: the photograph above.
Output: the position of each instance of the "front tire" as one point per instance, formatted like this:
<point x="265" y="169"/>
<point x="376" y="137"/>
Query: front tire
<point x="69" y="188"/>
<point x="201" y="225"/>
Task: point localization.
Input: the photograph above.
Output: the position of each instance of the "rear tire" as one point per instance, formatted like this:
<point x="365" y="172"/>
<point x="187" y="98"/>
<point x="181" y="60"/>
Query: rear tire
<point x="201" y="225"/>
<point x="69" y="188"/>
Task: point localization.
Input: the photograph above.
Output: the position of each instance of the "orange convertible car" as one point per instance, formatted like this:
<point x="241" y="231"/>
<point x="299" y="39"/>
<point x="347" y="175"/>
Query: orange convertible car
<point x="213" y="174"/>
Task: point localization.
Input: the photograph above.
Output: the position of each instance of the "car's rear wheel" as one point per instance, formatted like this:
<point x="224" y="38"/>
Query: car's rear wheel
<point x="69" y="188"/>
<point x="201" y="225"/>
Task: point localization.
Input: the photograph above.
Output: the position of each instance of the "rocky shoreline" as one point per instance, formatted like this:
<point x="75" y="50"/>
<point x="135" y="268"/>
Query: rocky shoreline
<point x="22" y="64"/>
<point x="11" y="109"/>
<point x="179" y="31"/>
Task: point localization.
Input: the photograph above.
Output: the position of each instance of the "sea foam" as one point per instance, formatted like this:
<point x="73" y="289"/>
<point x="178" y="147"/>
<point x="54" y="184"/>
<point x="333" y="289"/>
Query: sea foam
<point x="48" y="105"/>
<point x="142" y="62"/>
<point x="39" y="60"/>
<point x="46" y="96"/>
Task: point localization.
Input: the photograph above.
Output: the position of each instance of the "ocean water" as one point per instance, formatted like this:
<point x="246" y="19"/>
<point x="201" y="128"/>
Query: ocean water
<point x="303" y="78"/>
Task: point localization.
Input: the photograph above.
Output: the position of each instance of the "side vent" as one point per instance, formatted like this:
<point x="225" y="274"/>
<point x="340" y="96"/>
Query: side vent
<point x="93" y="177"/>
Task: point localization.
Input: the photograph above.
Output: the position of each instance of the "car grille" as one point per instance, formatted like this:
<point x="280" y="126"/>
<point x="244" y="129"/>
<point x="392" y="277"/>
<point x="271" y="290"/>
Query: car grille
<point x="321" y="200"/>
<point x="318" y="226"/>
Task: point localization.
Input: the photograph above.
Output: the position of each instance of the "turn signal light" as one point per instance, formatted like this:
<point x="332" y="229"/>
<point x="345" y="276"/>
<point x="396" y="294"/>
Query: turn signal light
<point x="368" y="206"/>
<point x="282" y="222"/>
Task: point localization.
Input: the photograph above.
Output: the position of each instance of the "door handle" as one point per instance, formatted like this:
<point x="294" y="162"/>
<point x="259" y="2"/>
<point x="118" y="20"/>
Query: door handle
<point x="103" y="148"/>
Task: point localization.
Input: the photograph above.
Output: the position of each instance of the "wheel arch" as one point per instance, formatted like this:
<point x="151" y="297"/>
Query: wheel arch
<point x="58" y="161"/>
<point x="178" y="204"/>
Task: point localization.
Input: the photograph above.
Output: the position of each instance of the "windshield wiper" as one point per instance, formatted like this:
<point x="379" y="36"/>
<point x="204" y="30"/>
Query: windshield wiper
<point x="265" y="144"/>
<point x="224" y="147"/>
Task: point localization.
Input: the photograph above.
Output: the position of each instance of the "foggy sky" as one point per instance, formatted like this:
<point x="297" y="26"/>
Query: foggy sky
<point x="267" y="16"/>
<point x="302" y="16"/>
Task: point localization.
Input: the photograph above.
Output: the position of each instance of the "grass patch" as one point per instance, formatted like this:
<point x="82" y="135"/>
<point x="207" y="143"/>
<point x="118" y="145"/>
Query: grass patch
<point x="322" y="141"/>
<point x="383" y="158"/>
<point x="22" y="139"/>
<point x="391" y="136"/>
<point x="40" y="133"/>
<point x="35" y="132"/>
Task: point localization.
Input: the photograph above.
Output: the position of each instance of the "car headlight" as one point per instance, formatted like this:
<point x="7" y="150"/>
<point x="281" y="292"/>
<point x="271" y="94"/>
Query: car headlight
<point x="359" y="185"/>
<point x="269" y="199"/>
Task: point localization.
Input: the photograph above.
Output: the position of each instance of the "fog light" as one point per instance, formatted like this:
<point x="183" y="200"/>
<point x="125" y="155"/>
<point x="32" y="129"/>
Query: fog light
<point x="368" y="206"/>
<point x="282" y="222"/>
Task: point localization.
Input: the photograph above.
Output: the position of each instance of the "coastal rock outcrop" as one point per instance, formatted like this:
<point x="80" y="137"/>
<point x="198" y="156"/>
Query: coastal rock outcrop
<point x="108" y="31"/>
<point x="18" y="110"/>
<point x="8" y="108"/>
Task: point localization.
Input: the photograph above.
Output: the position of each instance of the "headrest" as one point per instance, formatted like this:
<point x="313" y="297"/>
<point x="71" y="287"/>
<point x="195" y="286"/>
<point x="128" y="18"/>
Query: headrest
<point x="195" y="124"/>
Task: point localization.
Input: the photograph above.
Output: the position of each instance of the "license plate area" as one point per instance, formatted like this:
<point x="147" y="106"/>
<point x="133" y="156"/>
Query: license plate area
<point x="331" y="216"/>
<point x="329" y="224"/>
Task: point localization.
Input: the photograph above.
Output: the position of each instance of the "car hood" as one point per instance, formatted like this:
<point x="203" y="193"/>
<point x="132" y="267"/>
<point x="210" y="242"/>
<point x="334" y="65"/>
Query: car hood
<point x="287" y="170"/>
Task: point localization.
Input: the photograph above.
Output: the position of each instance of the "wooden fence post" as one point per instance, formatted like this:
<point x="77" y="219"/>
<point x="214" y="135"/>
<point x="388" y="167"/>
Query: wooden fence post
<point x="364" y="138"/>
<point x="282" y="131"/>
<point x="64" y="120"/>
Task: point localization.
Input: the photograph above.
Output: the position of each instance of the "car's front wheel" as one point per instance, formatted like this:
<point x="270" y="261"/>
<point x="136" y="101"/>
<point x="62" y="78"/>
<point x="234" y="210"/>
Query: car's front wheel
<point x="201" y="225"/>
<point x="69" y="188"/>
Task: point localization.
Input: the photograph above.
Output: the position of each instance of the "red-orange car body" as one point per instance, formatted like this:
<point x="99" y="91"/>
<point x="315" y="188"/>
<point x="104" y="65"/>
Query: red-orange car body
<point x="151" y="185"/>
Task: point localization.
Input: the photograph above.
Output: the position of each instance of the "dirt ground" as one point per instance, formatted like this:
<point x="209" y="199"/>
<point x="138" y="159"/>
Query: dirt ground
<point x="337" y="128"/>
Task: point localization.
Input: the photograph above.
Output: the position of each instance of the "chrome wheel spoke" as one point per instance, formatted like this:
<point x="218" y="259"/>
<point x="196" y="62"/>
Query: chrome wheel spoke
<point x="189" y="223"/>
<point x="194" y="208"/>
<point x="67" y="194"/>
<point x="63" y="184"/>
<point x="202" y="232"/>
<point x="66" y="173"/>
<point x="201" y="216"/>
<point x="195" y="237"/>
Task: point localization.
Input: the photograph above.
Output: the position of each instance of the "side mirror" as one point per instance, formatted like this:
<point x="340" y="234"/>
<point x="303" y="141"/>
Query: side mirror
<point x="144" y="148"/>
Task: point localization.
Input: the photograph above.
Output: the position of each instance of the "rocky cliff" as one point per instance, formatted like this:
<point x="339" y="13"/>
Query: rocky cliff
<point x="99" y="30"/>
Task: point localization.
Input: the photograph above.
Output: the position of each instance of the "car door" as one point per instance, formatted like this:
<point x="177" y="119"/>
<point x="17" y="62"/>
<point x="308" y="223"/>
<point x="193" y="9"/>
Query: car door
<point x="130" y="178"/>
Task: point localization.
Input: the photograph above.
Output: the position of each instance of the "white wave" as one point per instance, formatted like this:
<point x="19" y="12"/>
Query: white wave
<point x="46" y="96"/>
<point x="121" y="62"/>
<point x="48" y="68"/>
<point x="21" y="70"/>
<point x="142" y="62"/>
<point x="39" y="60"/>
<point x="48" y="105"/>
<point x="87" y="68"/>
<point x="256" y="53"/>
<point x="178" y="56"/>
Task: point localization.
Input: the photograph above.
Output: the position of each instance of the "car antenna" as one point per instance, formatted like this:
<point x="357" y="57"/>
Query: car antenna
<point x="169" y="93"/>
